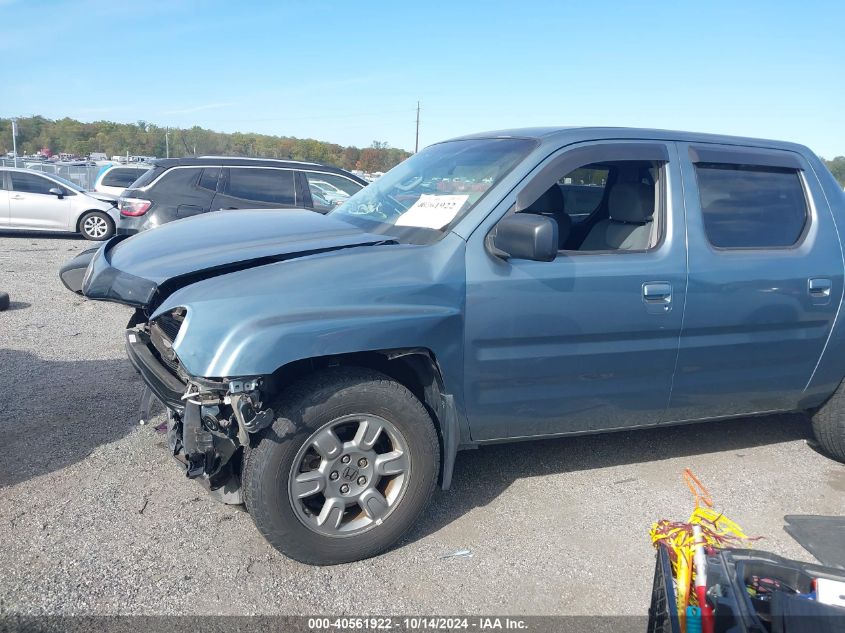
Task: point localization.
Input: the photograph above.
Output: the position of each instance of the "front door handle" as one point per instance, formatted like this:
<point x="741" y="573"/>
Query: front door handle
<point x="657" y="296"/>
<point x="17" y="197"/>
<point x="819" y="289"/>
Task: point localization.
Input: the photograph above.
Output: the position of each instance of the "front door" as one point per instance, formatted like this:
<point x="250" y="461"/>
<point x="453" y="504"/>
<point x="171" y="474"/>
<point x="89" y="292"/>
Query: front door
<point x="588" y="341"/>
<point x="4" y="201"/>
<point x="766" y="280"/>
<point x="32" y="206"/>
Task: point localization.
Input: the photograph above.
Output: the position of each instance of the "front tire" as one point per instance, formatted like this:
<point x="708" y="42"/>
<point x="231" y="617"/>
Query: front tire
<point x="829" y="425"/>
<point x="96" y="226"/>
<point x="346" y="468"/>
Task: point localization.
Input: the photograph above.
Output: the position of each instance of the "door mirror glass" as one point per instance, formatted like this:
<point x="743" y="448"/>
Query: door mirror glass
<point x="526" y="236"/>
<point x="56" y="191"/>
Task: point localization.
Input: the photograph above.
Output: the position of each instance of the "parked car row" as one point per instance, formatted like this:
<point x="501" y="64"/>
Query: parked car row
<point x="326" y="369"/>
<point x="130" y="198"/>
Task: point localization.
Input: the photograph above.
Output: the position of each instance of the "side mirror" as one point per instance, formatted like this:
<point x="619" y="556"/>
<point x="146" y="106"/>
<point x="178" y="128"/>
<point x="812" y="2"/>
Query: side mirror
<point x="56" y="192"/>
<point x="525" y="236"/>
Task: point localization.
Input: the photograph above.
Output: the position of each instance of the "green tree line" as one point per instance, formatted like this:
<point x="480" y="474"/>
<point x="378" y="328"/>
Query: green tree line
<point x="837" y="168"/>
<point x="147" y="139"/>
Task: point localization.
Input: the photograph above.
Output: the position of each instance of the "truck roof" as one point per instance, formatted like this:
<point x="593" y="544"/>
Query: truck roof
<point x="560" y="135"/>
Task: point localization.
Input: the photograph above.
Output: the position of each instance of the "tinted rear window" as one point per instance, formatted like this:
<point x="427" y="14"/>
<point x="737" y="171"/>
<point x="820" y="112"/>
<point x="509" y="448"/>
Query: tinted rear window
<point x="148" y="176"/>
<point x="121" y="177"/>
<point x="751" y="207"/>
<point x="271" y="186"/>
<point x="177" y="181"/>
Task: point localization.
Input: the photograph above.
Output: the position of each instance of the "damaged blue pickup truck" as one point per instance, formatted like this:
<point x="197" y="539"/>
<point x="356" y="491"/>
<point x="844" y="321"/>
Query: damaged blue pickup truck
<point x="326" y="370"/>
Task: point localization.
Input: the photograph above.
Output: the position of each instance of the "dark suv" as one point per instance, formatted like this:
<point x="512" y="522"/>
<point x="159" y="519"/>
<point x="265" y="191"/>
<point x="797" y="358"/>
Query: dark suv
<point x="177" y="188"/>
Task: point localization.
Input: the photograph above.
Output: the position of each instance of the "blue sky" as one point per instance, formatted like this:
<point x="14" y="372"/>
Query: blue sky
<point x="352" y="72"/>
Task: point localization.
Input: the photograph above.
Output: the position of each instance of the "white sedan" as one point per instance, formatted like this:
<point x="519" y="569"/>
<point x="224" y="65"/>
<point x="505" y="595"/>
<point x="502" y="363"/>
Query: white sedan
<point x="43" y="202"/>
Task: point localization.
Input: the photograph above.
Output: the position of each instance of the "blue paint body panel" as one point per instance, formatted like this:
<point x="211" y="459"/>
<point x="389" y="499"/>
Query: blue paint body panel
<point x="526" y="348"/>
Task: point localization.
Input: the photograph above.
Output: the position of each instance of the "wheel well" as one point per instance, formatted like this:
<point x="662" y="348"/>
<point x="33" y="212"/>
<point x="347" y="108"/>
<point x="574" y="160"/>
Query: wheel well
<point x="415" y="368"/>
<point x="86" y="212"/>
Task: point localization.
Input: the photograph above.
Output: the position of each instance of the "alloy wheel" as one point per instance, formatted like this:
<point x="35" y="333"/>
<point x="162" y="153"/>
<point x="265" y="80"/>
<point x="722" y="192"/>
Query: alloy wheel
<point x="95" y="226"/>
<point x="349" y="475"/>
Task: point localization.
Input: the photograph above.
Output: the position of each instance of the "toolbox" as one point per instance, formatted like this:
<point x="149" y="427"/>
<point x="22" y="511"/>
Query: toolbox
<point x="753" y="591"/>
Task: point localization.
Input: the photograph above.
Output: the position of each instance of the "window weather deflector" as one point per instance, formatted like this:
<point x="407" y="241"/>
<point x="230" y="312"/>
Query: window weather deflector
<point x="744" y="156"/>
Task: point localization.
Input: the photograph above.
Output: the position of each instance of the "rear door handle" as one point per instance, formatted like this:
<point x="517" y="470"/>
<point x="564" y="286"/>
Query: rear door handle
<point x="657" y="296"/>
<point x="819" y="289"/>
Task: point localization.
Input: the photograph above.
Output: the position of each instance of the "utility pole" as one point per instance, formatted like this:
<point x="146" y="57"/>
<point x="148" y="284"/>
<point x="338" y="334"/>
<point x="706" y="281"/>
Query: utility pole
<point x="15" y="140"/>
<point x="417" y="142"/>
<point x="167" y="141"/>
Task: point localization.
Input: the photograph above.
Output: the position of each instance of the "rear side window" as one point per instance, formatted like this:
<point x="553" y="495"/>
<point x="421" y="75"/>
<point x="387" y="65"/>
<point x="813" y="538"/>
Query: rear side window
<point x="177" y="181"/>
<point x="148" y="176"/>
<point x="270" y="186"/>
<point x="121" y="177"/>
<point x="746" y="206"/>
<point x="30" y="183"/>
<point x="208" y="180"/>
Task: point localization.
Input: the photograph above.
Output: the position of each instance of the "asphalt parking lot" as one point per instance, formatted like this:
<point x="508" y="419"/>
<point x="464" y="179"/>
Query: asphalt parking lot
<point x="95" y="517"/>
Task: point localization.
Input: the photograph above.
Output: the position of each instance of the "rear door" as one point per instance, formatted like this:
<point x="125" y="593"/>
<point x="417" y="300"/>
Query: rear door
<point x="185" y="191"/>
<point x="766" y="278"/>
<point x="256" y="188"/>
<point x="32" y="206"/>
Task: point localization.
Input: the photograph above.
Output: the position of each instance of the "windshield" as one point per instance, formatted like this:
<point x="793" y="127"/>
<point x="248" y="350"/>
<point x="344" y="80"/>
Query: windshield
<point x="423" y="197"/>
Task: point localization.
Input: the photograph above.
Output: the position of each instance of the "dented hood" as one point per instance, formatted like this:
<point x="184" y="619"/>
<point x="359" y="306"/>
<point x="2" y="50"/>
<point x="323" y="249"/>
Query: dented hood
<point x="142" y="270"/>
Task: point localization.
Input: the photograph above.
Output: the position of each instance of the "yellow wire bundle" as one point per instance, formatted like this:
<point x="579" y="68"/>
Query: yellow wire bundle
<point x="717" y="530"/>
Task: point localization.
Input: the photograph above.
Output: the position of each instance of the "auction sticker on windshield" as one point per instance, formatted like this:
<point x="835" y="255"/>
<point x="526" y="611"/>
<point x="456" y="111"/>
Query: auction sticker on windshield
<point x="432" y="211"/>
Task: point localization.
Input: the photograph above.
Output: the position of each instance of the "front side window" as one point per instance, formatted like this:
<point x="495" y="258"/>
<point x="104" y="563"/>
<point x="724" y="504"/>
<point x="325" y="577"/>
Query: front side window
<point x="330" y="190"/>
<point x="424" y="196"/>
<point x="208" y="180"/>
<point x="583" y="190"/>
<point x="30" y="183"/>
<point x="746" y="206"/>
<point x="270" y="186"/>
<point x="612" y="206"/>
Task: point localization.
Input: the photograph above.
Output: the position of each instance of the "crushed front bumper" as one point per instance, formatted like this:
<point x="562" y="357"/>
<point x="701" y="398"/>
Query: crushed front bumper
<point x="210" y="420"/>
<point x="165" y="386"/>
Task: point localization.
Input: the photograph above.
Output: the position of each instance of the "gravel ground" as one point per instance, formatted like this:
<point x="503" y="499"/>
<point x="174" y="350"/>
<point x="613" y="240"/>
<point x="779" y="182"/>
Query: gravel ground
<point x="95" y="518"/>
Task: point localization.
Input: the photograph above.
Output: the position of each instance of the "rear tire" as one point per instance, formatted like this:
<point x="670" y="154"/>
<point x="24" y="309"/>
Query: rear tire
<point x="346" y="468"/>
<point x="829" y="425"/>
<point x="96" y="226"/>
